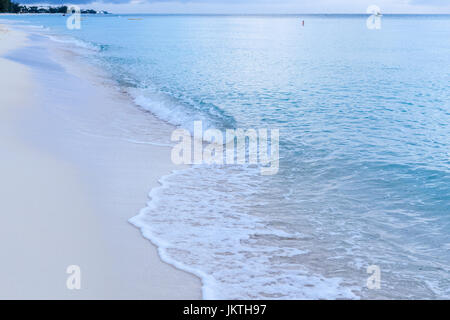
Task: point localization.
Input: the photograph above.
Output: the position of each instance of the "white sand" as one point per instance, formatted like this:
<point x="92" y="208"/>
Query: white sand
<point x="68" y="188"/>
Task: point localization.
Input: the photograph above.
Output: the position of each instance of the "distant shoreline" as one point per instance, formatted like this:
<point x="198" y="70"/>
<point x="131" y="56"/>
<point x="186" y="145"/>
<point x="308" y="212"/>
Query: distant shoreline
<point x="242" y="14"/>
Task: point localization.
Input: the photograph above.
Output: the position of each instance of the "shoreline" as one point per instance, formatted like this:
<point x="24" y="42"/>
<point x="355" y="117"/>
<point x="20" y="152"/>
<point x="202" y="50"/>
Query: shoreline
<point x="78" y="163"/>
<point x="362" y="178"/>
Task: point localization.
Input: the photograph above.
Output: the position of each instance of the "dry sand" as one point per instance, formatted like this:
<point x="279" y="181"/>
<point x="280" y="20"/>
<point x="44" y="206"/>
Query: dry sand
<point x="67" y="192"/>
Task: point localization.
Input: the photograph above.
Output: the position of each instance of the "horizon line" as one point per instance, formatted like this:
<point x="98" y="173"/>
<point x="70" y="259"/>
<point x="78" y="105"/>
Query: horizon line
<point x="281" y="14"/>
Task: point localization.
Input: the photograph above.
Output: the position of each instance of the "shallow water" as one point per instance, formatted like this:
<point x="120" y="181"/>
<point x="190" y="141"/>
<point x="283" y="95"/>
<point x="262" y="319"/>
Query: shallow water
<point x="364" y="172"/>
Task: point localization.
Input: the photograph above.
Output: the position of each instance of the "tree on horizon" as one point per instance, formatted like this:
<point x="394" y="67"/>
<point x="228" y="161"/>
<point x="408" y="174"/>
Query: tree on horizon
<point x="5" y="5"/>
<point x="8" y="6"/>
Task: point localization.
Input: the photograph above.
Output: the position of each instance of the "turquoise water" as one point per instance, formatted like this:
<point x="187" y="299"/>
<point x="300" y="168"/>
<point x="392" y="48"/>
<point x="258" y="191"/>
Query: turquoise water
<point x="364" y="143"/>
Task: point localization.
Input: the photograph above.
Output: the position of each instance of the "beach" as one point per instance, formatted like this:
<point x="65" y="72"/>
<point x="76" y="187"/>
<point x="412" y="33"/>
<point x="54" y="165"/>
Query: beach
<point x="70" y="183"/>
<point x="362" y="182"/>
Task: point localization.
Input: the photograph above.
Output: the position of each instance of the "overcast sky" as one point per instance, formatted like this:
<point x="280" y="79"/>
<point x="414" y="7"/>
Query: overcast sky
<point x="256" y="6"/>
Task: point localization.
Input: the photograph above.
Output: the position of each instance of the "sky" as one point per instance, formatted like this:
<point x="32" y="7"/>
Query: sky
<point x="255" y="6"/>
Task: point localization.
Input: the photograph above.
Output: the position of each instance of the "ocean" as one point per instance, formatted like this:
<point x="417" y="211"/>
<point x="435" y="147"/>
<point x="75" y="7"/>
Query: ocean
<point x="363" y="116"/>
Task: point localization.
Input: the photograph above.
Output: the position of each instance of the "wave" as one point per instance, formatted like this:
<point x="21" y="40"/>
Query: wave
<point x="168" y="109"/>
<point x="75" y="42"/>
<point x="201" y="226"/>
